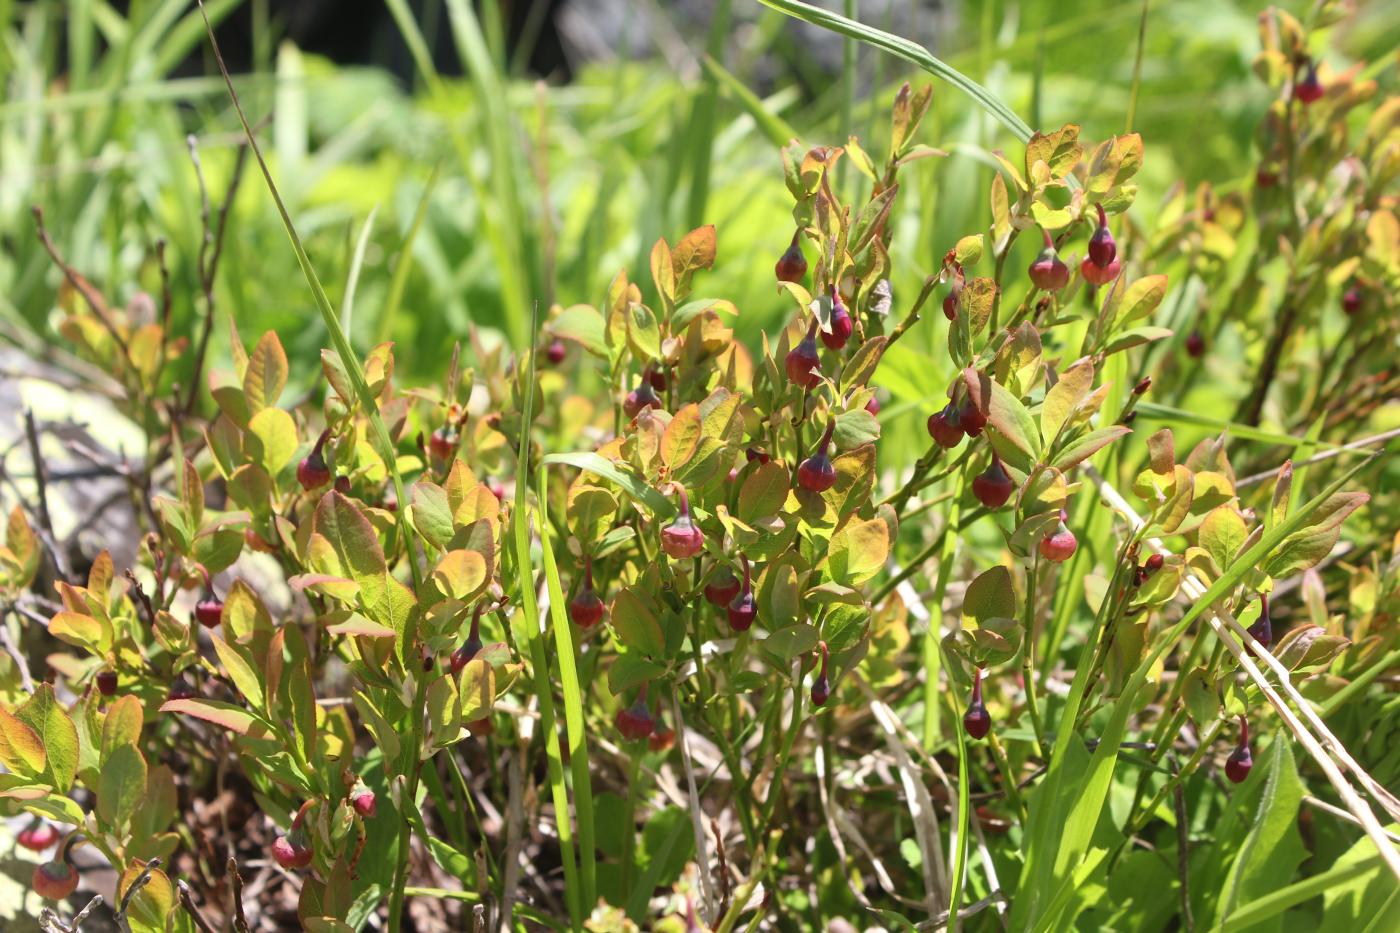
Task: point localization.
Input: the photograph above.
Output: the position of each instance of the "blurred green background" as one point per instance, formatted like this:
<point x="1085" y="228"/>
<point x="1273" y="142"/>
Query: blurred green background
<point x="548" y="183"/>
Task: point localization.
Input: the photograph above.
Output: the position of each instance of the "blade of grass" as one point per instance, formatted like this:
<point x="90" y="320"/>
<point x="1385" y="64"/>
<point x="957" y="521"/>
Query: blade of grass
<point x="573" y="699"/>
<point x="911" y="52"/>
<point x="701" y="128"/>
<point x="352" y="277"/>
<point x="1276" y="902"/>
<point x="1152" y="411"/>
<point x="1137" y="70"/>
<point x="778" y="130"/>
<point x="379" y="430"/>
<point x="405" y="262"/>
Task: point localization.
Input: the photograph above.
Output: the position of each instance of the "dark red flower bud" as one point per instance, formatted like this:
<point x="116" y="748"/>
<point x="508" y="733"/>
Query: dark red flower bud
<point x="1263" y="629"/>
<point x="977" y="721"/>
<point x="1154" y="563"/>
<point x="1048" y="272"/>
<point x="1195" y="344"/>
<point x="841" y="324"/>
<point x="1265" y="178"/>
<point x="803" y="362"/>
<point x="107" y="682"/>
<point x="873" y="406"/>
<point x="556" y="351"/>
<point x="55" y="880"/>
<point x="754" y="454"/>
<point x="312" y="471"/>
<point x="587" y="609"/>
<point x="1351" y="300"/>
<point x="1143" y="385"/>
<point x="722" y="588"/>
<point x="682" y="538"/>
<point x="181" y="690"/>
<point x="657" y="378"/>
<point x="1102" y="249"/>
<point x="1240" y="761"/>
<point x="443" y="443"/>
<point x="945" y="427"/>
<point x="662" y="738"/>
<point x="37" y="836"/>
<point x="993" y="486"/>
<point x="1059" y="546"/>
<point x="472" y="646"/>
<point x="743" y="608"/>
<point x="817" y="473"/>
<point x="635" y="722"/>
<point x="293" y="851"/>
<point x="971" y="418"/>
<point x="209" y="610"/>
<point x="821" y="687"/>
<point x="950" y="300"/>
<point x="1099" y="275"/>
<point x="362" y="799"/>
<point x="1309" y="89"/>
<point x="641" y="398"/>
<point x="792" y="265"/>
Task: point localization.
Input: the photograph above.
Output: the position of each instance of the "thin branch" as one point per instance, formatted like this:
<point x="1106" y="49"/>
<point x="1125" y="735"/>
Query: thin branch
<point x="84" y="287"/>
<point x="1325" y="455"/>
<point x="186" y="897"/>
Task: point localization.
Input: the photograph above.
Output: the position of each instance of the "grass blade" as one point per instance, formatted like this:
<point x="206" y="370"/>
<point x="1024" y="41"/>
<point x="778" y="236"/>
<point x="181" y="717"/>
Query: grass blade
<point x="352" y="277"/>
<point x="911" y="52"/>
<point x="379" y="430"/>
<point x="573" y="701"/>
<point x="778" y="130"/>
<point x="405" y="263"/>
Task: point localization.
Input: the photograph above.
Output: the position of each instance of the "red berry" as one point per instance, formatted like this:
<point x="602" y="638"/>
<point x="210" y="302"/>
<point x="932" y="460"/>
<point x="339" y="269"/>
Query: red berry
<point x="791" y="265"/>
<point x="803" y="363"/>
<point x="1240" y="761"/>
<point x="755" y="454"/>
<point x="873" y="406"/>
<point x="587" y="609"/>
<point x="977" y="721"/>
<point x="945" y="427"/>
<point x="841" y="324"/>
<point x="657" y="378"/>
<point x="1351" y="300"/>
<point x="1048" y="272"/>
<point x="1154" y="563"/>
<point x="364" y="803"/>
<point x="292" y="852"/>
<point x="55" y="880"/>
<point x="1265" y="178"/>
<point x="556" y="351"/>
<point x="209" y="610"/>
<point x="993" y="486"/>
<point x="37" y="836"/>
<point x="107" y="682"/>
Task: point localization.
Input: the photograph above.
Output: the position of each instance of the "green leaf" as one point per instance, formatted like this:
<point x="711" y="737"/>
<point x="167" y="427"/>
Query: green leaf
<point x="266" y="375"/>
<point x="274" y="439"/>
<point x="50" y="721"/>
<point x="855" y="428"/>
<point x="635" y="623"/>
<point x="764" y="492"/>
<point x="1202" y="698"/>
<point x="240" y="670"/>
<point x="121" y="786"/>
<point x="1064" y="397"/>
<point x="629" y="670"/>
<point x="858" y="551"/>
<point x="1222" y="534"/>
<point x="220" y="714"/>
<point x="1086" y="445"/>
<point x="1012" y="421"/>
<point x="21" y="750"/>
<point x="583" y="325"/>
<point x="989" y="596"/>
<point x="432" y="514"/>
